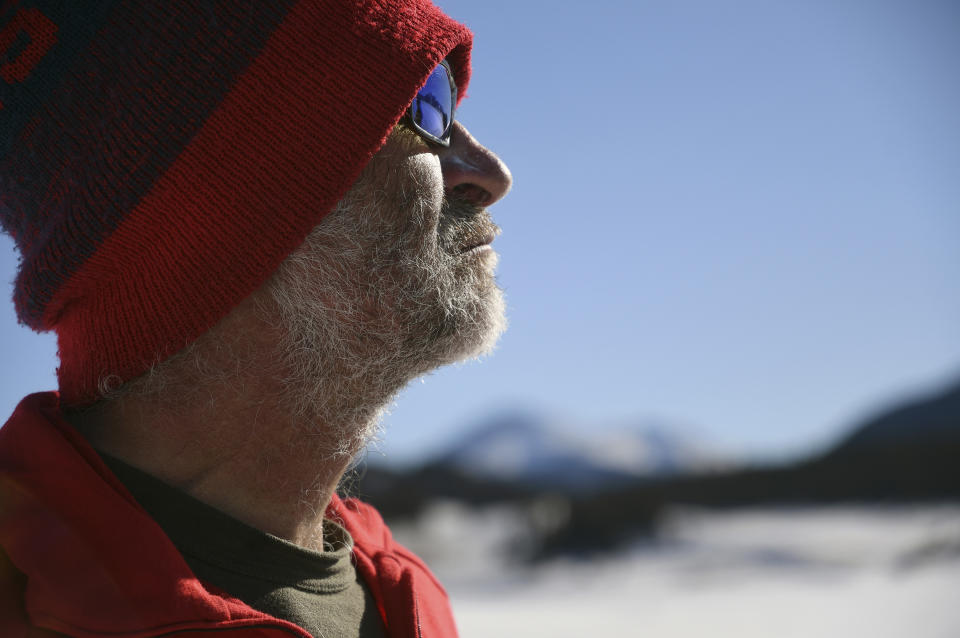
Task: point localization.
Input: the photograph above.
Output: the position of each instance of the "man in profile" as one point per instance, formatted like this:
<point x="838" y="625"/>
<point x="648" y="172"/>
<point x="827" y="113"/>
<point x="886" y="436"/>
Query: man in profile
<point x="250" y="225"/>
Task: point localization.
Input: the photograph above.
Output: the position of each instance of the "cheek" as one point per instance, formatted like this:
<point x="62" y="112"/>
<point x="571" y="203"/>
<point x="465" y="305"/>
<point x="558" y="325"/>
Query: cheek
<point x="426" y="177"/>
<point x="423" y="194"/>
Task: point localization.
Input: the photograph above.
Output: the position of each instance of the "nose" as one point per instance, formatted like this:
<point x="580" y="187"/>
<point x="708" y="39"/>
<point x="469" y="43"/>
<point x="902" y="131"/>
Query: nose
<point x="472" y="171"/>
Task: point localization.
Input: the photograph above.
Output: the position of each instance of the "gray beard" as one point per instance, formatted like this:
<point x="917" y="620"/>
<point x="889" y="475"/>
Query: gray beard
<point x="378" y="295"/>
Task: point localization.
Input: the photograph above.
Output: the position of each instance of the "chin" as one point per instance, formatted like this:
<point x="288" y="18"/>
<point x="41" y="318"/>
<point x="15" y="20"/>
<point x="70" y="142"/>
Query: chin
<point x="492" y="326"/>
<point x="474" y="333"/>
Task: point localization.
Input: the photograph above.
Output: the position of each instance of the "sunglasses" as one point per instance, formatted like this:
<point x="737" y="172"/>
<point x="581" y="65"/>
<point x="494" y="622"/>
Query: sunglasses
<point x="431" y="112"/>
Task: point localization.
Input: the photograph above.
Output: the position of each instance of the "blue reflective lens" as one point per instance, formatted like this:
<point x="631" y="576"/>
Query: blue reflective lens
<point x="432" y="109"/>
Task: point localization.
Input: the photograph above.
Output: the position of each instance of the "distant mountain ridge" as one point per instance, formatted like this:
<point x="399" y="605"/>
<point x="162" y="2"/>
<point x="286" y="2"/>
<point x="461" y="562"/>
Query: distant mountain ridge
<point x="929" y="420"/>
<point x="908" y="454"/>
<point x="523" y="447"/>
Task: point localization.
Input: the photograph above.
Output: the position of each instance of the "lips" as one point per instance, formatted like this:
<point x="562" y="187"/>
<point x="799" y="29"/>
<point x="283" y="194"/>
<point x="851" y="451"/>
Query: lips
<point x="478" y="240"/>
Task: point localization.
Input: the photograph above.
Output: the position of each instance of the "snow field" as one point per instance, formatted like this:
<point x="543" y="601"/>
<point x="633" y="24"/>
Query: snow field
<point x="784" y="572"/>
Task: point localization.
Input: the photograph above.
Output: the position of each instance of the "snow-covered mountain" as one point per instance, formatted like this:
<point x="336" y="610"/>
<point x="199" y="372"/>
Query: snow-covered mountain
<point x="520" y="446"/>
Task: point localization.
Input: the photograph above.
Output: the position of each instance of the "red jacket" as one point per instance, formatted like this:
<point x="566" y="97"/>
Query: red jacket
<point x="79" y="556"/>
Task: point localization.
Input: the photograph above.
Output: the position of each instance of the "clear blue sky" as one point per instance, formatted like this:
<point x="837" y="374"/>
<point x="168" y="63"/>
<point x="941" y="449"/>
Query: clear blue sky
<point x="742" y="217"/>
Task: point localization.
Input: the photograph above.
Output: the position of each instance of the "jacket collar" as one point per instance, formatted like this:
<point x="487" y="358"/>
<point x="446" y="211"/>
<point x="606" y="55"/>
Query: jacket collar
<point x="94" y="562"/>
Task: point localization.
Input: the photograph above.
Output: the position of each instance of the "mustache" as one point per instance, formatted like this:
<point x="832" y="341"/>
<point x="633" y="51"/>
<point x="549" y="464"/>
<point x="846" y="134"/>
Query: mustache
<point x="464" y="225"/>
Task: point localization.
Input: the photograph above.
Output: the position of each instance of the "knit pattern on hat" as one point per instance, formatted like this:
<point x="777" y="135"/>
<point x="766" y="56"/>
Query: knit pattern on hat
<point x="158" y="160"/>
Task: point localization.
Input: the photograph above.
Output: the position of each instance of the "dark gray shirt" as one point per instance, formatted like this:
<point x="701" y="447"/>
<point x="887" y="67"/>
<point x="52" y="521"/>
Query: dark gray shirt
<point x="320" y="592"/>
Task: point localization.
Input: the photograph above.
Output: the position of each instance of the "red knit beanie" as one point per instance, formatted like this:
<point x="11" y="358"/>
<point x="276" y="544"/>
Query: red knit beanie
<point x="158" y="160"/>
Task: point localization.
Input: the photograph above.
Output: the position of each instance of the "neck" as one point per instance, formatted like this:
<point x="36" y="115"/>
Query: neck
<point x="230" y="440"/>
